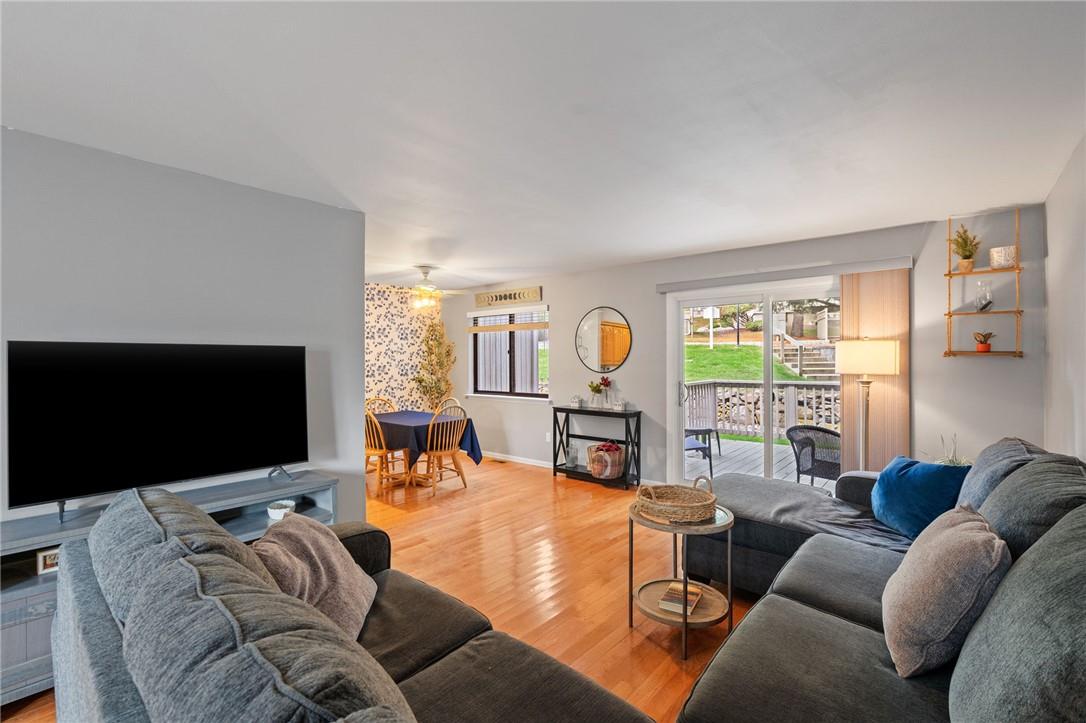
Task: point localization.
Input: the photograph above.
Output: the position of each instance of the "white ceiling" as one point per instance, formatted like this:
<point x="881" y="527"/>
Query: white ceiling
<point x="501" y="140"/>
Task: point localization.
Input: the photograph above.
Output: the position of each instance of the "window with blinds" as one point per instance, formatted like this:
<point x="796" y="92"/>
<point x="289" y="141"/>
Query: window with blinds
<point x="511" y="353"/>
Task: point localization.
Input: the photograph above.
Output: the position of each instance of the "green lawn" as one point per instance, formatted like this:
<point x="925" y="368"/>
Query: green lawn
<point x="730" y="362"/>
<point x="544" y="363"/>
<point x="742" y="438"/>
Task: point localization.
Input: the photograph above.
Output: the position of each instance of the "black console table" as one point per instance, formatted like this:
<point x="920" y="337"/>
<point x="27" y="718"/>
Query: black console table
<point x="631" y="439"/>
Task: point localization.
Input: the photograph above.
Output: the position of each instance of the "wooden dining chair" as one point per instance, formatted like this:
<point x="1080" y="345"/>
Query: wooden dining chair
<point x="448" y="402"/>
<point x="377" y="405"/>
<point x="443" y="436"/>
<point x="386" y="458"/>
<point x="380" y="405"/>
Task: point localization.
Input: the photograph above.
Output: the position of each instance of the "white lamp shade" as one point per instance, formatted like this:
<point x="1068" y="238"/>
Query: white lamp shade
<point x="868" y="356"/>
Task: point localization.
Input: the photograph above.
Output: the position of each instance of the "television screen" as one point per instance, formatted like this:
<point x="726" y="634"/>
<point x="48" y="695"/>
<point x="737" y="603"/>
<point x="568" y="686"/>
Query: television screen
<point x="90" y="418"/>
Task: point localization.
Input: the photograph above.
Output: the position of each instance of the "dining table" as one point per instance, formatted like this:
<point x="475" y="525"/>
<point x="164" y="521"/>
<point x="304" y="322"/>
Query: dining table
<point x="407" y="429"/>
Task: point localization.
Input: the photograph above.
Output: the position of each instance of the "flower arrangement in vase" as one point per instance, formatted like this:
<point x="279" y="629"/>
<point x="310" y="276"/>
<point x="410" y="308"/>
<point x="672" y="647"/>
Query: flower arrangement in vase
<point x="601" y="391"/>
<point x="965" y="246"/>
<point x="984" y="341"/>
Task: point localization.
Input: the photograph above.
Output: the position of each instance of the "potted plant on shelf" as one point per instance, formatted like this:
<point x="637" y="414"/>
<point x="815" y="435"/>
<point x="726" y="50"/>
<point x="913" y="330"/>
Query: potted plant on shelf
<point x="965" y="246"/>
<point x="983" y="339"/>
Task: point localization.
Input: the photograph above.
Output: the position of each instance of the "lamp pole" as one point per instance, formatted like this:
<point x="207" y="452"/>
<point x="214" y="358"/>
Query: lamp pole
<point x="865" y="391"/>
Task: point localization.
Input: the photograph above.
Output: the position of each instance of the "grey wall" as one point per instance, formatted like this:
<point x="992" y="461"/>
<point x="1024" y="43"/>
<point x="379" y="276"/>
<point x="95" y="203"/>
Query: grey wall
<point x="979" y="399"/>
<point x="1065" y="265"/>
<point x="99" y="247"/>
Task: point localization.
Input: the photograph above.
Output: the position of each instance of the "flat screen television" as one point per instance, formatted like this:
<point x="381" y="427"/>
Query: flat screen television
<point x="91" y="418"/>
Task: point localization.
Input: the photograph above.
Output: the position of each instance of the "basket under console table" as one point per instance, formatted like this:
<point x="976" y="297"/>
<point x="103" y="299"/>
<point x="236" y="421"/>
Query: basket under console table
<point x="630" y="439"/>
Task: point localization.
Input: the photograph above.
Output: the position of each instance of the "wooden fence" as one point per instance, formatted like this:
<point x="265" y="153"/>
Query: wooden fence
<point x="736" y="407"/>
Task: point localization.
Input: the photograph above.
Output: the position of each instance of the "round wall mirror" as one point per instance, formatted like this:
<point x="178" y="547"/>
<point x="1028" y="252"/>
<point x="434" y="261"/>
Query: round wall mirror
<point x="603" y="339"/>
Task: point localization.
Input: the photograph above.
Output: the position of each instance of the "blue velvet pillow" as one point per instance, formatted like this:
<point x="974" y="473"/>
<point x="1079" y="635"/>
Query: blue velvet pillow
<point x="909" y="494"/>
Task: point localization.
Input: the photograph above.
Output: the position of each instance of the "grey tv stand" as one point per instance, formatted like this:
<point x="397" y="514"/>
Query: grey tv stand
<point x="28" y="599"/>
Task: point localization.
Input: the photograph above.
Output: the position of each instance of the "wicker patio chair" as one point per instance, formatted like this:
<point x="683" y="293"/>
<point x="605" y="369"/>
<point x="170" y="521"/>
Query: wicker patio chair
<point x="817" y="450"/>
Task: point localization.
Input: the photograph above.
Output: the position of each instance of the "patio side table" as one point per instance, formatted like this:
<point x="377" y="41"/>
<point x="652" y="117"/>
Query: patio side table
<point x="713" y="607"/>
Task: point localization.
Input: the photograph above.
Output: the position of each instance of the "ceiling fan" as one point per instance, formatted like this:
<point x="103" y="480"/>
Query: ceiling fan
<point x="425" y="293"/>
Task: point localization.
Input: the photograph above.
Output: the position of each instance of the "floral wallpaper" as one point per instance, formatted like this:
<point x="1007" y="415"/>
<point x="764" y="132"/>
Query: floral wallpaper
<point x="393" y="337"/>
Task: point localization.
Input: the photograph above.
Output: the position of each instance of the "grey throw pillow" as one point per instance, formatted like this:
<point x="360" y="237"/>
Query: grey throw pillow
<point x="1034" y="498"/>
<point x="208" y="640"/>
<point x="994" y="464"/>
<point x="1025" y="659"/>
<point x="309" y="562"/>
<point x="940" y="589"/>
<point x="141" y="530"/>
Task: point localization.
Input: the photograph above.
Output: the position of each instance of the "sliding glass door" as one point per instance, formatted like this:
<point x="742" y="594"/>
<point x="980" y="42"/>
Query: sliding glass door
<point x="723" y="377"/>
<point x="756" y="370"/>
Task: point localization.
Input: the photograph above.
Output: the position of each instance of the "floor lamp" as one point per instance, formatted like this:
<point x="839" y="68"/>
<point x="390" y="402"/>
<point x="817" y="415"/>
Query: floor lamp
<point x="867" y="357"/>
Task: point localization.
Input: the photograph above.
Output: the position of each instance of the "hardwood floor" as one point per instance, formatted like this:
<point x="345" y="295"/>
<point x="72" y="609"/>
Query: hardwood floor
<point x="545" y="559"/>
<point x="38" y="708"/>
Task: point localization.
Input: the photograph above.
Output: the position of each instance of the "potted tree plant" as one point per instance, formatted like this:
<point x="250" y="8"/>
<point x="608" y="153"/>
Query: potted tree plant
<point x="983" y="339"/>
<point x="965" y="246"/>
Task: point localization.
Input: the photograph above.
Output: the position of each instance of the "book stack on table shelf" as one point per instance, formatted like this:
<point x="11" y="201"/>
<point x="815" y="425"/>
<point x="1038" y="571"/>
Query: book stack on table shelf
<point x="671" y="600"/>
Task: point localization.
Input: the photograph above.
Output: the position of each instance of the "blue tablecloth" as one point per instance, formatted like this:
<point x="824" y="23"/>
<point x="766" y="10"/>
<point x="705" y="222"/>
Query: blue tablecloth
<point x="406" y="429"/>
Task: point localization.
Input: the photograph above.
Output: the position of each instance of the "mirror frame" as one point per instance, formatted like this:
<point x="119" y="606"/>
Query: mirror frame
<point x="577" y="333"/>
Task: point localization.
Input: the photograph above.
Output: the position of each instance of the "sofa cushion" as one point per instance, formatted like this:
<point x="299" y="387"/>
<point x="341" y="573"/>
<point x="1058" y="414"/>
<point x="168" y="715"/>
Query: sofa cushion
<point x="411" y="624"/>
<point x="1033" y="498"/>
<point x="209" y="640"/>
<point x="839" y="576"/>
<point x="143" y="529"/>
<point x="1025" y="658"/>
<point x="942" y="586"/>
<point x="790" y="662"/>
<point x="309" y="562"/>
<point x="993" y="464"/>
<point x="909" y="494"/>
<point x="495" y="679"/>
<point x="778" y="516"/>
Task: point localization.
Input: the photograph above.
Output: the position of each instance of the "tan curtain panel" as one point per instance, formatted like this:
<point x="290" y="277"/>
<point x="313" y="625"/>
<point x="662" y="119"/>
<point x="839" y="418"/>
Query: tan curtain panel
<point x="876" y="304"/>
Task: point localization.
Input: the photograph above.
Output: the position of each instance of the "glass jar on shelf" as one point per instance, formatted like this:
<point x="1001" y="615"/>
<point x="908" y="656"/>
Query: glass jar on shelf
<point x="983" y="300"/>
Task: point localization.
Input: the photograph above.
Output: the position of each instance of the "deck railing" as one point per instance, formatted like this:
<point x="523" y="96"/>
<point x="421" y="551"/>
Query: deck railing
<point x="736" y="406"/>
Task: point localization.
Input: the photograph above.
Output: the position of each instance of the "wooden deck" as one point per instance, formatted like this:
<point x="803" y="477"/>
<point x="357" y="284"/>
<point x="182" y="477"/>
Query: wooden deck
<point x="746" y="458"/>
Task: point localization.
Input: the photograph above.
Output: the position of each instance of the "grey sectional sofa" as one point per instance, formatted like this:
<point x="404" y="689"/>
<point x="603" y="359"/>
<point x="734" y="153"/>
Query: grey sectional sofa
<point x="813" y="649"/>
<point x="163" y="616"/>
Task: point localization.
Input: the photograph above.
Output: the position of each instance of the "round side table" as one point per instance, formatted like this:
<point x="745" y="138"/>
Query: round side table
<point x="713" y="607"/>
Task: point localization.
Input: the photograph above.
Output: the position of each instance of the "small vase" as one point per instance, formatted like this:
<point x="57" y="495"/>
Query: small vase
<point x="965" y="266"/>
<point x="983" y="300"/>
<point x="596" y="404"/>
<point x="984" y="348"/>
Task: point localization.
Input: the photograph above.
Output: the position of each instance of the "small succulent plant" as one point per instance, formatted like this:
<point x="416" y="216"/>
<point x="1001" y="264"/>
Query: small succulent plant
<point x="983" y="337"/>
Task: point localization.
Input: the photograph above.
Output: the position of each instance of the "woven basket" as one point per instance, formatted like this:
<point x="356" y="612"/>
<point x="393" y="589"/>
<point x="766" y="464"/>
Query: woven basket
<point x="605" y="465"/>
<point x="672" y="503"/>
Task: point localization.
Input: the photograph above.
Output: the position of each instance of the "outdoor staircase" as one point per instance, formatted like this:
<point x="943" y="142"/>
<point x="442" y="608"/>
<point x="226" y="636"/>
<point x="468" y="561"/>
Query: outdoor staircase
<point x="815" y="367"/>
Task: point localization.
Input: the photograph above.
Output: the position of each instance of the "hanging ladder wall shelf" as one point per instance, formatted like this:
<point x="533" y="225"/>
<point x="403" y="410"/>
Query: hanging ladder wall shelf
<point x="1017" y="311"/>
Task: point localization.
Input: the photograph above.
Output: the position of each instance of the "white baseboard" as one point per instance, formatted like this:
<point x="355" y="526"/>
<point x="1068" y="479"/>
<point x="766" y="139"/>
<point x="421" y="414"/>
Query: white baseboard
<point x="513" y="458"/>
